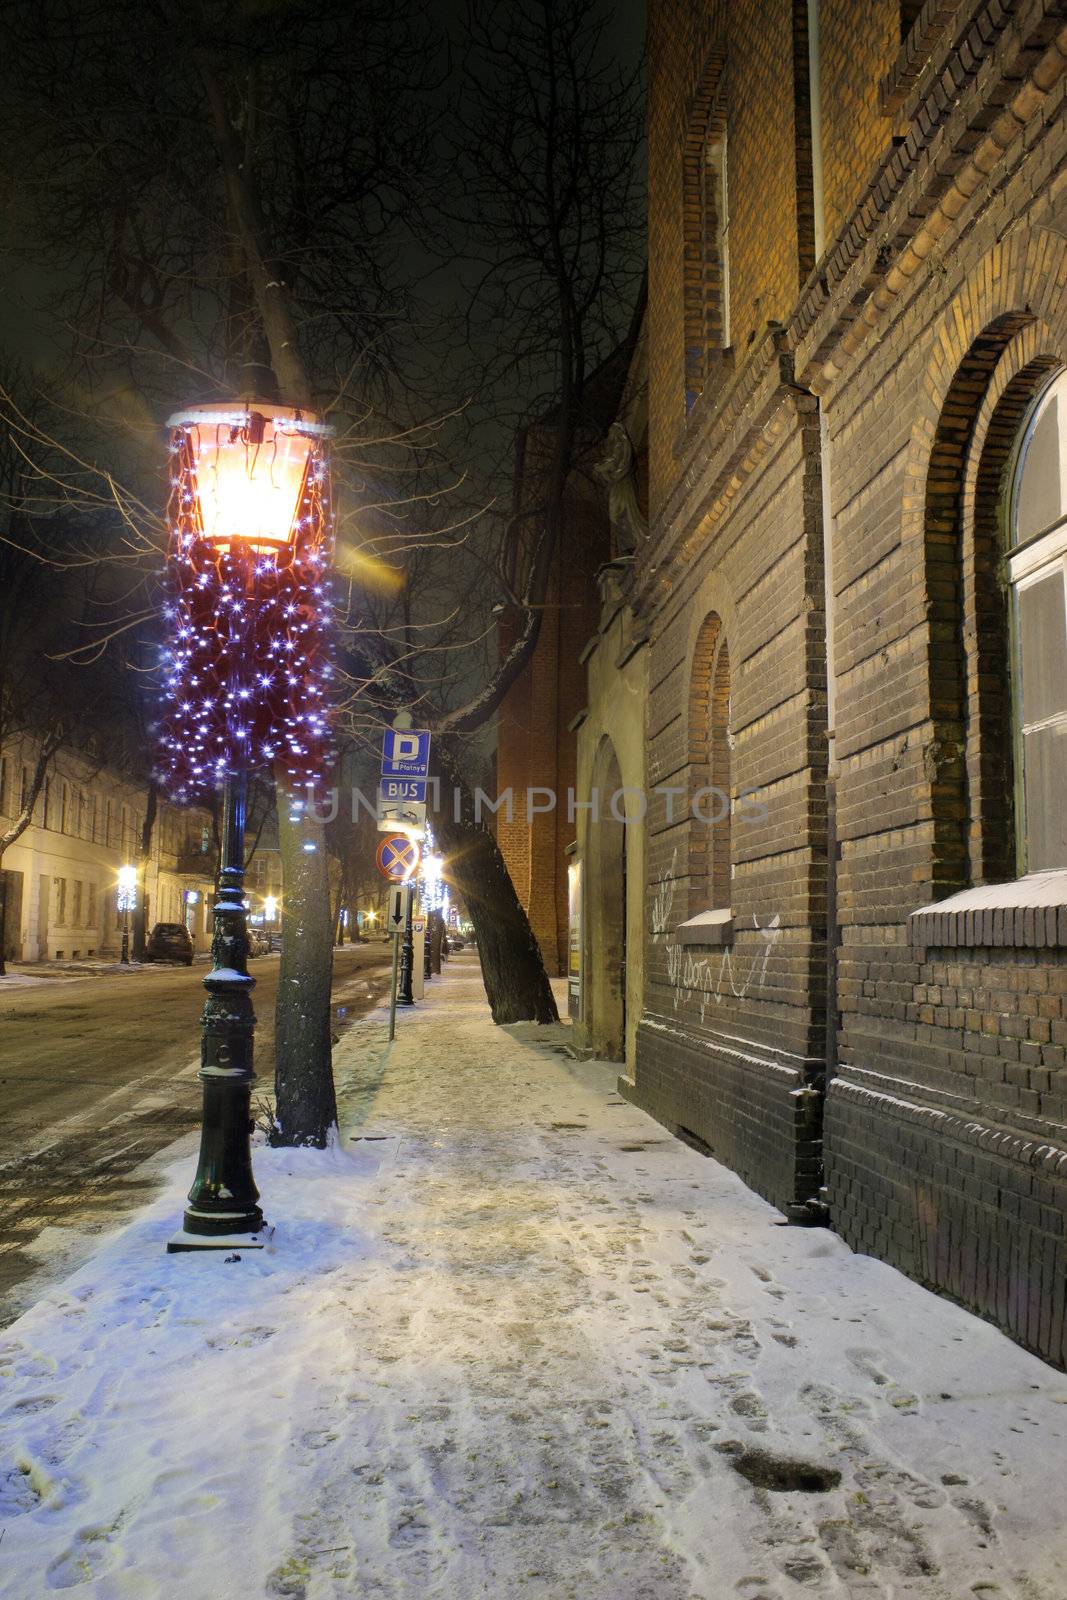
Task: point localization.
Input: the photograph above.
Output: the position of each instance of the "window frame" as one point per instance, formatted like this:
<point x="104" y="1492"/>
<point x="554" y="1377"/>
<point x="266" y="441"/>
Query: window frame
<point x="1028" y="563"/>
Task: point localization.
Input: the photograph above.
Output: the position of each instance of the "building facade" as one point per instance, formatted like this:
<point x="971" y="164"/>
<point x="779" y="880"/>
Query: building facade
<point x="62" y="873"/>
<point x="536" y="743"/>
<point x="853" y="591"/>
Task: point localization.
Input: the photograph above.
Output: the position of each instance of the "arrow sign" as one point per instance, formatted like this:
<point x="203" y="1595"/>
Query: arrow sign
<point x="406" y="753"/>
<point x="398" y="858"/>
<point x="396" y="915"/>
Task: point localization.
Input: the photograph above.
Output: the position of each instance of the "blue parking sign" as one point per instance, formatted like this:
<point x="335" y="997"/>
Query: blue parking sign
<point x="406" y="753"/>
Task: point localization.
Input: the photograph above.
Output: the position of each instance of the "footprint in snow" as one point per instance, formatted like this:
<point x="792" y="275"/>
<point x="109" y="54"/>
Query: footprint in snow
<point x="89" y="1557"/>
<point x="33" y="1403"/>
<point x="241" y="1338"/>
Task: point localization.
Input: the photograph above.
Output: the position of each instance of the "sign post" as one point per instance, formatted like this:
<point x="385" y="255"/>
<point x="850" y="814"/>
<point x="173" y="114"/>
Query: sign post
<point x="404" y="776"/>
<point x="402" y="815"/>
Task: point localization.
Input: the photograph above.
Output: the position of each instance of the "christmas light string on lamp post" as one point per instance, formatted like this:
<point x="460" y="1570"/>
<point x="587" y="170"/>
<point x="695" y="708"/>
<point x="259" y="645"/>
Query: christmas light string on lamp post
<point x="246" y="687"/>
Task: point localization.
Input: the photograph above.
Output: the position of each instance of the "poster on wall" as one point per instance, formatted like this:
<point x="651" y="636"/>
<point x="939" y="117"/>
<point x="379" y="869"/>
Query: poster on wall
<point x="574" y="940"/>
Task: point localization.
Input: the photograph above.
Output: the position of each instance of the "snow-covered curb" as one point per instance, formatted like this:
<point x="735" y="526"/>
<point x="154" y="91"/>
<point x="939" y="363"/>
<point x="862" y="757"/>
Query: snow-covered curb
<point x="512" y="1338"/>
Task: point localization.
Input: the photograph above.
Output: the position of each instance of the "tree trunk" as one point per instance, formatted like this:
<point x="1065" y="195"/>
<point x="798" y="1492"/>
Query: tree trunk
<point x="305" y="1101"/>
<point x="3" y="915"/>
<point x="140" y="910"/>
<point x="516" y="984"/>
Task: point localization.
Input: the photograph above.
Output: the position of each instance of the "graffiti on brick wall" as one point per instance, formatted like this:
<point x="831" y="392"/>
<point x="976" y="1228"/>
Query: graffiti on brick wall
<point x="709" y="978"/>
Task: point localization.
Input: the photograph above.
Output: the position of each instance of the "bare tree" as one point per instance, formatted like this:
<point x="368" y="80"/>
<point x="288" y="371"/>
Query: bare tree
<point x="218" y="195"/>
<point x="548" y="206"/>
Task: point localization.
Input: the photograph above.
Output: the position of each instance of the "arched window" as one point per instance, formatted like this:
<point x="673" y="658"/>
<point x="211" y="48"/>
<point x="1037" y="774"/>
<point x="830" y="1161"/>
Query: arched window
<point x="1037" y="569"/>
<point x="711" y="785"/>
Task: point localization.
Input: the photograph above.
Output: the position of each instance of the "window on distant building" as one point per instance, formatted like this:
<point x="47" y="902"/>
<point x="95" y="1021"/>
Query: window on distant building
<point x="90" y="913"/>
<point x="61" y="902"/>
<point x="76" y="904"/>
<point x="1038" y="575"/>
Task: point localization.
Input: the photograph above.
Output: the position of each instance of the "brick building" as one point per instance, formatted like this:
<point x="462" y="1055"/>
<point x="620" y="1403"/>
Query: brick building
<point x="855" y="975"/>
<point x="536" y="728"/>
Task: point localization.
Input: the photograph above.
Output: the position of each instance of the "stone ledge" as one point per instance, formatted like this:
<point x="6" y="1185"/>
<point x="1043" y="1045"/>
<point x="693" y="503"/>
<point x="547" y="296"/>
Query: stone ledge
<point x="709" y="927"/>
<point x="1014" y="1147"/>
<point x="1030" y="913"/>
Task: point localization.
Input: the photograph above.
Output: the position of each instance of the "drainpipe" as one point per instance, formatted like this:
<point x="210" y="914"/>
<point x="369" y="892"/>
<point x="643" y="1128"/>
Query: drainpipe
<point x="833" y="851"/>
<point x="816" y="1210"/>
<point x="815" y="117"/>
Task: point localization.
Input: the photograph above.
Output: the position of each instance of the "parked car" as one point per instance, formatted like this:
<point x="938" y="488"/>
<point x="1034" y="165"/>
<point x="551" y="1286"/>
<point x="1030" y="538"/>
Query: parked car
<point x="169" y="941"/>
<point x="259" y="943"/>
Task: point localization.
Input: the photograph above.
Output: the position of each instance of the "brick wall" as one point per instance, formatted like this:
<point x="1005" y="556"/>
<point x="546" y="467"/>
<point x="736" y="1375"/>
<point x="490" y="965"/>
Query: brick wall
<point x="895" y="380"/>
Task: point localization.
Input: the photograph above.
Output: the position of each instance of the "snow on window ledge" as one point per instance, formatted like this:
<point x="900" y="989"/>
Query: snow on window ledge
<point x="709" y="927"/>
<point x="1029" y="913"/>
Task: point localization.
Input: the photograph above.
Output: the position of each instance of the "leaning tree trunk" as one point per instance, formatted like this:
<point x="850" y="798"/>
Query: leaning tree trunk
<point x="516" y="984"/>
<point x="305" y="1101"/>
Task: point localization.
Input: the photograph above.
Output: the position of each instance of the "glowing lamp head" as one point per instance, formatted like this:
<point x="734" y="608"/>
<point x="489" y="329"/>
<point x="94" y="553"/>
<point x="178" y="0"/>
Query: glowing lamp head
<point x="270" y="908"/>
<point x="248" y="469"/>
<point x="431" y="869"/>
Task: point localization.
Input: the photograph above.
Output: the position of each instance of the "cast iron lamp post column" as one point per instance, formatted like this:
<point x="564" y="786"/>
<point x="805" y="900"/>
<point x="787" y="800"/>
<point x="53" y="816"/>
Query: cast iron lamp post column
<point x="224" y="1200"/>
<point x="405" y="994"/>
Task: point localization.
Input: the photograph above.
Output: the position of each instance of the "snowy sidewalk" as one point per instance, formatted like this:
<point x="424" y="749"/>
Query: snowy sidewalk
<point x="515" y="1340"/>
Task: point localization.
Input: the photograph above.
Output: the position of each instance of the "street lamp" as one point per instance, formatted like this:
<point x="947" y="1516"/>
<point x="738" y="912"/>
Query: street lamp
<point x="126" y="900"/>
<point x="246" y="686"/>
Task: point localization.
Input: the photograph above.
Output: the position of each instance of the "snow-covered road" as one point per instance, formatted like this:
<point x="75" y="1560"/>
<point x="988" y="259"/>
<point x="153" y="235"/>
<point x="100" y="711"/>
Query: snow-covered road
<point x="513" y="1339"/>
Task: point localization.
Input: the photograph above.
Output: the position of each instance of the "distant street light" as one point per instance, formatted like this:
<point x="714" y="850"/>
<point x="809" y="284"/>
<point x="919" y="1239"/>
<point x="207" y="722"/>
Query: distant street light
<point x="270" y="907"/>
<point x="249" y="544"/>
<point x="127" y="900"/>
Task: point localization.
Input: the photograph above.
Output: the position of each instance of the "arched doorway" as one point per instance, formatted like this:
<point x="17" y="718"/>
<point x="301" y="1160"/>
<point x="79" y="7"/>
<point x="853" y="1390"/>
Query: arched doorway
<point x="606" y="909"/>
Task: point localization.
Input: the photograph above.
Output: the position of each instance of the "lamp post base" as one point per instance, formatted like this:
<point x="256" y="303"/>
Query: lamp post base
<point x="183" y="1240"/>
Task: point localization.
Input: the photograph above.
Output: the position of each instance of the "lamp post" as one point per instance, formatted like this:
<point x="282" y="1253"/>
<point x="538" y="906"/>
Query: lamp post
<point x="405" y="991"/>
<point x="247" y="483"/>
<point x="127" y="891"/>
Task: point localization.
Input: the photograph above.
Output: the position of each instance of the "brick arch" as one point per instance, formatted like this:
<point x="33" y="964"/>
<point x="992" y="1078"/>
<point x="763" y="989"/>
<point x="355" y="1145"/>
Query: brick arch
<point x="996" y="339"/>
<point x="990" y="753"/>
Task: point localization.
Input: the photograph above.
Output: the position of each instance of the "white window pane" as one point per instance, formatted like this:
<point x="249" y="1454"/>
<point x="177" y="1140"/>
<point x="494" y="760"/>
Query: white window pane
<point x="1045" y="779"/>
<point x="1040" y="493"/>
<point x="1043" y="648"/>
